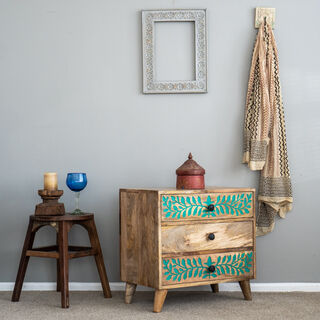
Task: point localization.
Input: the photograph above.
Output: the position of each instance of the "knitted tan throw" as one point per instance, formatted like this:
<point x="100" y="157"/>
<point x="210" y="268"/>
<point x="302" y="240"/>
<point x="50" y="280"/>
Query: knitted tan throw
<point x="265" y="146"/>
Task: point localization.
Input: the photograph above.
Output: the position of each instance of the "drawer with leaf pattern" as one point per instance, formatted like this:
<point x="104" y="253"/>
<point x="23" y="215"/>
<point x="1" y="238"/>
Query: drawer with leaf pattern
<point x="206" y="268"/>
<point x="206" y="206"/>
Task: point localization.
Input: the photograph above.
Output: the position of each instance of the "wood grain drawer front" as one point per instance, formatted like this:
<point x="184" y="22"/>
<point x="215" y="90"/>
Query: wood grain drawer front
<point x="207" y="206"/>
<point x="203" y="268"/>
<point x="198" y="237"/>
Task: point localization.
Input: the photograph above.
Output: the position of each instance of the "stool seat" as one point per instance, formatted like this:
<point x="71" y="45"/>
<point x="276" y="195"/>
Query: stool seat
<point x="65" y="217"/>
<point x="61" y="251"/>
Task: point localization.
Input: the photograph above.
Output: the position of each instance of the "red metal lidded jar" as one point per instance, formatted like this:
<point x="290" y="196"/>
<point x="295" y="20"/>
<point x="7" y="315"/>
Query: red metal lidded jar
<point x="190" y="175"/>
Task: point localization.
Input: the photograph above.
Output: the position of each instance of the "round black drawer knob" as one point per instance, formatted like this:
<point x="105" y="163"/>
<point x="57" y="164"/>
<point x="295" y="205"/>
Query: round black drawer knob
<point x="210" y="207"/>
<point x="211" y="236"/>
<point x="212" y="268"/>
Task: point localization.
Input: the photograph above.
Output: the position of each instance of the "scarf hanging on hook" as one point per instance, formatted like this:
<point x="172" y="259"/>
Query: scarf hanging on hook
<point x="265" y="145"/>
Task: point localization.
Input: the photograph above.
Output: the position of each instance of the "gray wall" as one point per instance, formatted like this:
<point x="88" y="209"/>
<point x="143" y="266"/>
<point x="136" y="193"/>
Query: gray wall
<point x="70" y="99"/>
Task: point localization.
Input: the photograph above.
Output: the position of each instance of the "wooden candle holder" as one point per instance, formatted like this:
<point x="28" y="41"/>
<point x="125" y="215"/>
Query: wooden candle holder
<point x="50" y="205"/>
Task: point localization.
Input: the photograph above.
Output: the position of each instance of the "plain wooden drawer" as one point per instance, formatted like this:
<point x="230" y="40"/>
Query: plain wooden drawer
<point x="195" y="268"/>
<point x="196" y="237"/>
<point x="197" y="207"/>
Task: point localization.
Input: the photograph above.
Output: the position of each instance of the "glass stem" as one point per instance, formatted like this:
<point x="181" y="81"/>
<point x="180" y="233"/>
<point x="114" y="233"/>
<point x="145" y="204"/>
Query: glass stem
<point x="77" y="200"/>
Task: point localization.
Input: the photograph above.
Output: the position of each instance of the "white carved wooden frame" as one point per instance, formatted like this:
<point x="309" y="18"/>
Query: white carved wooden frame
<point x="199" y="85"/>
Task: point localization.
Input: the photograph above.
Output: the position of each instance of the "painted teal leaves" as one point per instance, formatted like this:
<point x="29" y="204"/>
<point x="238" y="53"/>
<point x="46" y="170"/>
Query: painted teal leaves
<point x="235" y="265"/>
<point x="186" y="206"/>
<point x="177" y="207"/>
<point x="176" y="269"/>
<point x="236" y="204"/>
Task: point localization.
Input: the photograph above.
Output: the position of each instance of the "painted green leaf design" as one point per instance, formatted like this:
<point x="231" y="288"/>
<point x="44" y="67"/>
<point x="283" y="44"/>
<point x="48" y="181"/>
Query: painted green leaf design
<point x="233" y="264"/>
<point x="186" y="206"/>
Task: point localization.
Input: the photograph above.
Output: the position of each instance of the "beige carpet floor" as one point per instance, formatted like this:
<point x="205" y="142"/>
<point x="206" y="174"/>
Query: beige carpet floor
<point x="178" y="305"/>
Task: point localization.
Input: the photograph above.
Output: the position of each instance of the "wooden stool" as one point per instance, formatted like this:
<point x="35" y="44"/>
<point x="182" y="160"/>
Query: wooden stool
<point x="61" y="251"/>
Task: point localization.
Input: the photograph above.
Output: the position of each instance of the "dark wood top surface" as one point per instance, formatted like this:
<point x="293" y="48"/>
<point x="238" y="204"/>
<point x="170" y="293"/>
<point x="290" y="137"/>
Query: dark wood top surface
<point x="65" y="217"/>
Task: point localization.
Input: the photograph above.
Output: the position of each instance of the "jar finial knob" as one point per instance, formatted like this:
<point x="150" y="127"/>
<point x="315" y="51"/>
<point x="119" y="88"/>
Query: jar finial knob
<point x="190" y="156"/>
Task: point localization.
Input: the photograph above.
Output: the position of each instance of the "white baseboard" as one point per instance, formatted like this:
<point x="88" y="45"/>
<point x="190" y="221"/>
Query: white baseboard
<point x="119" y="286"/>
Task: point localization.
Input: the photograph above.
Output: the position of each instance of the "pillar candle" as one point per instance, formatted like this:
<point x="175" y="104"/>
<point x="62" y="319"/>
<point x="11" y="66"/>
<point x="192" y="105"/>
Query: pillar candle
<point x="50" y="181"/>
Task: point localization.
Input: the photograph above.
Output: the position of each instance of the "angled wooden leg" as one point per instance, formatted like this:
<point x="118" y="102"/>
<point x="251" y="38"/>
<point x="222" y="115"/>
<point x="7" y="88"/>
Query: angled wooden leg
<point x="159" y="297"/>
<point x="95" y="244"/>
<point x="64" y="263"/>
<point x="130" y="290"/>
<point x="215" y="287"/>
<point x="246" y="290"/>
<point x="28" y="243"/>
<point x="58" y="268"/>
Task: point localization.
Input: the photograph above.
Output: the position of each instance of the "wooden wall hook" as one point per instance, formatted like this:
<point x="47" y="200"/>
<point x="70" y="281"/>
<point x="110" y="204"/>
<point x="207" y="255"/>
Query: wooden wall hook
<point x="268" y="13"/>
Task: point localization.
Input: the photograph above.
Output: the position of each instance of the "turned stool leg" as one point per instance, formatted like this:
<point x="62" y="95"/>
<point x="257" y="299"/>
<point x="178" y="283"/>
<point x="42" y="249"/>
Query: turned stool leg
<point x="159" y="297"/>
<point x="246" y="290"/>
<point x="28" y="243"/>
<point x="95" y="244"/>
<point x="215" y="287"/>
<point x="130" y="290"/>
<point x="63" y="263"/>
<point x="58" y="267"/>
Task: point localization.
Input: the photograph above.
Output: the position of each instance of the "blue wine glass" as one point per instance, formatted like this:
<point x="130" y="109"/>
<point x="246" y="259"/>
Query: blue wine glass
<point x="77" y="182"/>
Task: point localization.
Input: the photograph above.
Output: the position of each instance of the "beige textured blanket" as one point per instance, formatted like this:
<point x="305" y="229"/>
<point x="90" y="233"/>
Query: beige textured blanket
<point x="265" y="146"/>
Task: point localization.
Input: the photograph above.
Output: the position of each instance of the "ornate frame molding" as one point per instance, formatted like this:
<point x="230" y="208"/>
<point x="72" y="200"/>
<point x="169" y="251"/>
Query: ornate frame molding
<point x="199" y="85"/>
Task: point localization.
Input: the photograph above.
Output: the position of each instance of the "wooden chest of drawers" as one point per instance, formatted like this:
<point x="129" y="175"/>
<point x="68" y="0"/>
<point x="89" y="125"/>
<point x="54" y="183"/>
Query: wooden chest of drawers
<point x="179" y="238"/>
